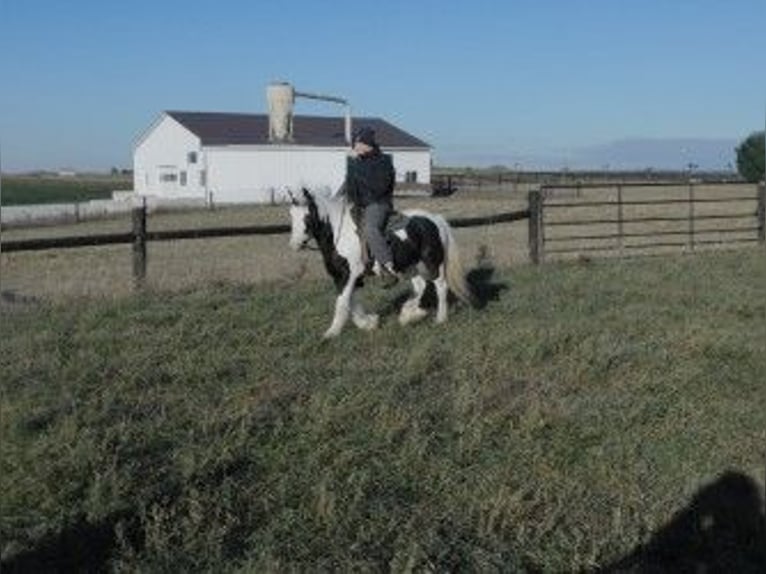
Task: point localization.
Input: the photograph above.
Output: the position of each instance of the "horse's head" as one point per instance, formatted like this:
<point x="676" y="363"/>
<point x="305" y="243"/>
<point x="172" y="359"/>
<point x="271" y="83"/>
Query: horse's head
<point x="304" y="218"/>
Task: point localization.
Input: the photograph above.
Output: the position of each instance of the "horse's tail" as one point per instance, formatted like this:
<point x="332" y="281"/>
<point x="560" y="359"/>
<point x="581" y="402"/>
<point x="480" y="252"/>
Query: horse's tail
<point x="456" y="278"/>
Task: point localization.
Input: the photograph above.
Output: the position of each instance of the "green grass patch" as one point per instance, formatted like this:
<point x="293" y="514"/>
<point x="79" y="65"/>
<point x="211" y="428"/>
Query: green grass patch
<point x="28" y="190"/>
<point x="558" y="429"/>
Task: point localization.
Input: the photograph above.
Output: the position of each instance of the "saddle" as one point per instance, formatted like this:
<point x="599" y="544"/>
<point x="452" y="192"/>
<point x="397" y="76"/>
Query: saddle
<point x="396" y="221"/>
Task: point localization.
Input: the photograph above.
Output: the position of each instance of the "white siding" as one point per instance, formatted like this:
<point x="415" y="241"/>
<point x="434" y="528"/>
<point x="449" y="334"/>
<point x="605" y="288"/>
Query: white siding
<point x="262" y="174"/>
<point x="418" y="161"/>
<point x="165" y="149"/>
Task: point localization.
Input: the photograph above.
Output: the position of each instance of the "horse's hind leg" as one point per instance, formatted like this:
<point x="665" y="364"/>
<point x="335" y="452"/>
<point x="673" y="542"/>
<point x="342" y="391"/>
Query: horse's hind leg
<point x="441" y="295"/>
<point x="411" y="310"/>
<point x="363" y="320"/>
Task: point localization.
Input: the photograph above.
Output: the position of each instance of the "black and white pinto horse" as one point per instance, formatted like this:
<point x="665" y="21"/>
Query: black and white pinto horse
<point x="425" y="246"/>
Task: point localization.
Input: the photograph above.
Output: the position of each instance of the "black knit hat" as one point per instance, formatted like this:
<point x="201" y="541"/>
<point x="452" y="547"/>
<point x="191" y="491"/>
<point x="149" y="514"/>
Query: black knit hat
<point x="366" y="136"/>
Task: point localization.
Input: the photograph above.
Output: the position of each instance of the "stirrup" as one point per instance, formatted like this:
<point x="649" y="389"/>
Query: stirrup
<point x="388" y="276"/>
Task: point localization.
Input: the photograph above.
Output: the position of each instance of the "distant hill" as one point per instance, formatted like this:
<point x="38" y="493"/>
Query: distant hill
<point x="711" y="154"/>
<point x="676" y="153"/>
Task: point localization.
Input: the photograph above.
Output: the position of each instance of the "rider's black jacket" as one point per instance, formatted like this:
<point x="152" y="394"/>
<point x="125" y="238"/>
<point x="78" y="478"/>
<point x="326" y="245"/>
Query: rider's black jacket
<point x="370" y="178"/>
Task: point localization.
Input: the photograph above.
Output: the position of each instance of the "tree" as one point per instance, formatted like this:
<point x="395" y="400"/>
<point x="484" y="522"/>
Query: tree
<point x="750" y="157"/>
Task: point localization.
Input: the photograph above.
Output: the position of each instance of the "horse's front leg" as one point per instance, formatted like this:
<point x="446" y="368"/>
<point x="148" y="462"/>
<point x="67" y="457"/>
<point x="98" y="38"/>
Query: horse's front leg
<point x="411" y="310"/>
<point x="343" y="306"/>
<point x="441" y="295"/>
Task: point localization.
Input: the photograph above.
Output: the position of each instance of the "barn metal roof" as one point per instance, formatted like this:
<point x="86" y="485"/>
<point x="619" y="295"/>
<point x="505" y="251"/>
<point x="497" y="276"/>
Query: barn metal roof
<point x="214" y="128"/>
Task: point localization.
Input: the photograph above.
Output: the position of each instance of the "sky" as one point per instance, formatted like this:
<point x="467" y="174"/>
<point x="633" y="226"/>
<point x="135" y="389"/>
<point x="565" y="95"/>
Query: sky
<point x="523" y="83"/>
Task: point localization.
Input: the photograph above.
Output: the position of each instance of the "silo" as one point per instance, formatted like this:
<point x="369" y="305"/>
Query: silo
<point x="281" y="97"/>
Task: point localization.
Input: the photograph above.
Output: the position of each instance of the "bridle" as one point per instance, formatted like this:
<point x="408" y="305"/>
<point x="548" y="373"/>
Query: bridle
<point x="305" y="242"/>
<point x="340" y="224"/>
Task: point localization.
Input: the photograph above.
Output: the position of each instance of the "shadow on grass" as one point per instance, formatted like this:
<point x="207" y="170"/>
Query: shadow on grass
<point x="479" y="279"/>
<point x="483" y="287"/>
<point x="722" y="529"/>
<point x="82" y="547"/>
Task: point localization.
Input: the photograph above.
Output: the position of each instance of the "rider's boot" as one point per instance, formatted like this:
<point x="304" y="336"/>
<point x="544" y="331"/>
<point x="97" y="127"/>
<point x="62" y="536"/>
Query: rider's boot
<point x="389" y="275"/>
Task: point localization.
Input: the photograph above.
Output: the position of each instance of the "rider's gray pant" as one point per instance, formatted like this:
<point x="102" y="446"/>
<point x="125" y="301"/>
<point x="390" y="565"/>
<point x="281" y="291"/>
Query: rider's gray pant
<point x="375" y="215"/>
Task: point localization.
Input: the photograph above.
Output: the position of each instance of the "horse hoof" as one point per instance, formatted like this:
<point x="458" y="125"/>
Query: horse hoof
<point x="410" y="315"/>
<point x="330" y="334"/>
<point x="366" y="322"/>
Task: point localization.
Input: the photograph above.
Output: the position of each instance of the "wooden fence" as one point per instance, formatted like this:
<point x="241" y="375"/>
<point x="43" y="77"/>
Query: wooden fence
<point x="448" y="181"/>
<point x="541" y="242"/>
<point x="555" y="225"/>
<point x="140" y="236"/>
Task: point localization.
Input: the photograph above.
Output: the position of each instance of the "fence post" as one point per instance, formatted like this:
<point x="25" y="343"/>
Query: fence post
<point x="535" y="226"/>
<point x="620" y="228"/>
<point x="139" y="246"/>
<point x="691" y="215"/>
<point x="762" y="212"/>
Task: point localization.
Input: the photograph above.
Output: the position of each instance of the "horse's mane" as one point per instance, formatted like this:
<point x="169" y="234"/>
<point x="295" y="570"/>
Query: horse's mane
<point x="330" y="207"/>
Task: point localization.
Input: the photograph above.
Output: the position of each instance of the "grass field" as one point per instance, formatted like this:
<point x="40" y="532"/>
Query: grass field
<point x="586" y="410"/>
<point x="28" y="190"/>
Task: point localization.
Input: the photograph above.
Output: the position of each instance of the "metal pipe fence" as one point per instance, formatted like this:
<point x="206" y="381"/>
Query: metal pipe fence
<point x="741" y="222"/>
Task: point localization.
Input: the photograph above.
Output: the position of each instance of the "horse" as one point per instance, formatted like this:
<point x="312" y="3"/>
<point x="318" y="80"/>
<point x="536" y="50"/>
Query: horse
<point x="424" y="248"/>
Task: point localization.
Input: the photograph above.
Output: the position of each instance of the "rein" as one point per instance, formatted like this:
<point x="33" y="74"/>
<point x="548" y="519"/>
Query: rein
<point x="337" y="235"/>
<point x="340" y="225"/>
<point x="336" y="239"/>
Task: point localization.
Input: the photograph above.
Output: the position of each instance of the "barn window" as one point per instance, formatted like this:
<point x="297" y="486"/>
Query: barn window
<point x="182" y="180"/>
<point x="411" y="177"/>
<point x="168" y="177"/>
<point x="192" y="157"/>
<point x="202" y="178"/>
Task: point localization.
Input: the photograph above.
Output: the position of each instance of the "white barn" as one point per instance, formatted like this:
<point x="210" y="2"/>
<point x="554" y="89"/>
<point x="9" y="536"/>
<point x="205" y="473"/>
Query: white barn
<point x="231" y="158"/>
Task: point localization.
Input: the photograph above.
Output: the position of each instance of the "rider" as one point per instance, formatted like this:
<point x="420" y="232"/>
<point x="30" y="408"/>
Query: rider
<point x="369" y="186"/>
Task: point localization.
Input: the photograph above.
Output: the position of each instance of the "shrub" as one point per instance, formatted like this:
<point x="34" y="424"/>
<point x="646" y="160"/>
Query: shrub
<point x="750" y="157"/>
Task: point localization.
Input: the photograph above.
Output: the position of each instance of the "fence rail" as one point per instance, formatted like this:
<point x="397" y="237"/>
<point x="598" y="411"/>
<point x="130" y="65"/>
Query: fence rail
<point x="447" y="180"/>
<point x="651" y="234"/>
<point x="591" y="248"/>
<point x="66" y="242"/>
<point x="140" y="236"/>
<point x="571" y="204"/>
<point x="651" y="219"/>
